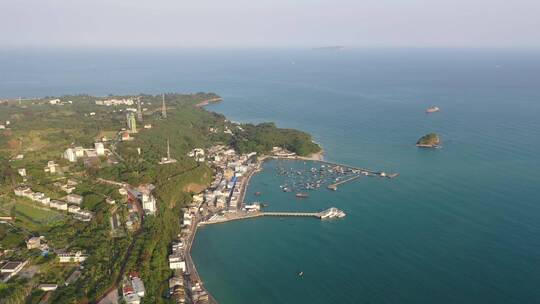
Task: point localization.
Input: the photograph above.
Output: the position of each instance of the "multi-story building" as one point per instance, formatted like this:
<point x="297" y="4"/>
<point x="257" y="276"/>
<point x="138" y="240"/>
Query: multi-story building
<point x="131" y="122"/>
<point x="100" y="148"/>
<point x="176" y="258"/>
<point x="148" y="201"/>
<point x="69" y="154"/>
<point x="33" y="242"/>
<point x="74" y="199"/>
<point x="72" y="257"/>
<point x="59" y="205"/>
<point x="79" y="151"/>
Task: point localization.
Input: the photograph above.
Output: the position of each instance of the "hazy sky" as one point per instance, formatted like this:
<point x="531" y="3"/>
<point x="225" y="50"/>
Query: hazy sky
<point x="270" y="23"/>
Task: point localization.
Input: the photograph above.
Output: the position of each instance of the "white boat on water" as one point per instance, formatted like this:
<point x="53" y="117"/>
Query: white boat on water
<point x="332" y="213"/>
<point x="432" y="109"/>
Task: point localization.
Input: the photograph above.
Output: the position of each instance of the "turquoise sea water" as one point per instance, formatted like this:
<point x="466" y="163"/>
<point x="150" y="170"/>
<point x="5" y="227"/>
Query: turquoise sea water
<point x="460" y="224"/>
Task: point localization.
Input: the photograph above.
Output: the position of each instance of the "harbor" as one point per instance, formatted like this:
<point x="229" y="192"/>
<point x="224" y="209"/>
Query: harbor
<point x="226" y="200"/>
<point x="322" y="174"/>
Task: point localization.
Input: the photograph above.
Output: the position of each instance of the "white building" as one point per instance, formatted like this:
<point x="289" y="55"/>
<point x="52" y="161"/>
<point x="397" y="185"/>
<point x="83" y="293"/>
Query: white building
<point x="100" y="148"/>
<point x="52" y="167"/>
<point x="59" y="205"/>
<point x="67" y="188"/>
<point x="253" y="207"/>
<point x="132" y="298"/>
<point x="148" y="201"/>
<point x="198" y="198"/>
<point x="138" y="286"/>
<point x="72" y="257"/>
<point x="41" y="198"/>
<point x="91" y="153"/>
<point x="70" y="155"/>
<point x="33" y="242"/>
<point x="221" y="202"/>
<point x="22" y="172"/>
<point x="74" y="209"/>
<point x="79" y="151"/>
<point x="115" y="102"/>
<point x="22" y="191"/>
<point x="48" y="287"/>
<point x="74" y="199"/>
<point x="176" y="261"/>
<point x="198" y="154"/>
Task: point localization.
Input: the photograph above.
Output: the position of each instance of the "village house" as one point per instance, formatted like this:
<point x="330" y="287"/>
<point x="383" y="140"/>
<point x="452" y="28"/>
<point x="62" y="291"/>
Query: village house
<point x="11" y="269"/>
<point x="74" y="199"/>
<point x="72" y="257"/>
<point x="33" y="242"/>
<point x="59" y="205"/>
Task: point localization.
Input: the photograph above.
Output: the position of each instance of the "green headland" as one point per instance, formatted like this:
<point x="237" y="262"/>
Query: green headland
<point x="39" y="143"/>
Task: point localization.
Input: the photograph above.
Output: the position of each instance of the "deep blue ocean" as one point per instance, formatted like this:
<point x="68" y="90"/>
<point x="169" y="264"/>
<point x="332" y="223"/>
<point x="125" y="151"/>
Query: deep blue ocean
<point x="460" y="224"/>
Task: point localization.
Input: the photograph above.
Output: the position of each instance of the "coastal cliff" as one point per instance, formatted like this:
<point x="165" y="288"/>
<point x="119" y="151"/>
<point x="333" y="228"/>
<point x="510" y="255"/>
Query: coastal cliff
<point x="430" y="140"/>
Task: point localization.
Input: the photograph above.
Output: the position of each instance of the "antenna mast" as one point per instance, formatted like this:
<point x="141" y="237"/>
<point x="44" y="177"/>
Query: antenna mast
<point x="139" y="110"/>
<point x="168" y="150"/>
<point x="163" y="107"/>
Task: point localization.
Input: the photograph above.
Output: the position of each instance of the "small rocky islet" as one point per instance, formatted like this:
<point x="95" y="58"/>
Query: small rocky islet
<point x="431" y="140"/>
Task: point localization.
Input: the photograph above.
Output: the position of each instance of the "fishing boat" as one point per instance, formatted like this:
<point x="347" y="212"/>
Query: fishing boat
<point x="432" y="109"/>
<point x="302" y="195"/>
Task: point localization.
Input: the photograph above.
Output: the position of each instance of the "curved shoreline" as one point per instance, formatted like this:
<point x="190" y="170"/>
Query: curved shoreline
<point x="244" y="187"/>
<point x="317" y="157"/>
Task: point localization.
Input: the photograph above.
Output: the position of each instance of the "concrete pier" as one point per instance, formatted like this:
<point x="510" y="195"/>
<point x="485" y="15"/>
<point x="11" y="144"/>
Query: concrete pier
<point x="241" y="215"/>
<point x="335" y="185"/>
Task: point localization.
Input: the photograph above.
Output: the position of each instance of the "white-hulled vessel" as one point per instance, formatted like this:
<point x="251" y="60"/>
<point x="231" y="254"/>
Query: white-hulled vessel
<point x="432" y="109"/>
<point x="332" y="213"/>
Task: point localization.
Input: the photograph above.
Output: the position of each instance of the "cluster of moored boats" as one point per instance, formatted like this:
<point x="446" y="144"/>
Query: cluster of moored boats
<point x="305" y="179"/>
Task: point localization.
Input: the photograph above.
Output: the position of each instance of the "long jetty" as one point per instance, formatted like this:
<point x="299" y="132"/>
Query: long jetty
<point x="379" y="173"/>
<point x="334" y="186"/>
<point x="297" y="214"/>
<point x="328" y="213"/>
<point x="372" y="172"/>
